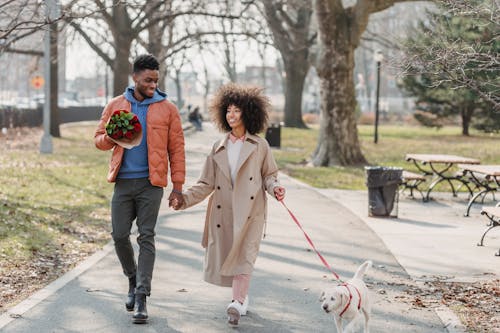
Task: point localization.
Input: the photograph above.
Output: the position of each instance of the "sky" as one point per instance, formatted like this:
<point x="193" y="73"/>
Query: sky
<point x="79" y="50"/>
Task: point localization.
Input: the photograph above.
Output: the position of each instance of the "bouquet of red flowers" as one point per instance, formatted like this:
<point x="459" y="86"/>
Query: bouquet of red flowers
<point x="124" y="129"/>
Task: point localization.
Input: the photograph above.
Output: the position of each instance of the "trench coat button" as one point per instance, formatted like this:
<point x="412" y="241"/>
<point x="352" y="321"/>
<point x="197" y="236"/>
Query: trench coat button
<point x="251" y="178"/>
<point x="218" y="206"/>
<point x="251" y="198"/>
<point x="218" y="187"/>
<point x="218" y="225"/>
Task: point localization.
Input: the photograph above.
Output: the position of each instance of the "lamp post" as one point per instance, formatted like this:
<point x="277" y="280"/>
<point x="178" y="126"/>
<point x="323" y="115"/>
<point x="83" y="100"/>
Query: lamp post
<point x="46" y="143"/>
<point x="378" y="56"/>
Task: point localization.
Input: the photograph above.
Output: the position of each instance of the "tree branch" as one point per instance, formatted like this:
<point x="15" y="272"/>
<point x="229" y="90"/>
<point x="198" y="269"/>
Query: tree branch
<point x="92" y="45"/>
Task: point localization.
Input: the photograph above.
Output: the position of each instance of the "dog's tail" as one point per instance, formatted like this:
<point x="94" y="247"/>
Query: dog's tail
<point x="362" y="269"/>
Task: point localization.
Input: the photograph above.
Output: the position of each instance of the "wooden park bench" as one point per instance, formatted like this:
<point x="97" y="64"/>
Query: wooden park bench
<point x="411" y="181"/>
<point x="493" y="214"/>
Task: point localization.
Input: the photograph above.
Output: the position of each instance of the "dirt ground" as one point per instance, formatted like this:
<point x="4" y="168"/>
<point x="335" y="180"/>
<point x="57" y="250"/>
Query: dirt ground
<point x="476" y="304"/>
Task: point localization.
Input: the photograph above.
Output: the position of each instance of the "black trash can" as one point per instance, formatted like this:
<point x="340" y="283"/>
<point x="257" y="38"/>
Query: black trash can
<point x="273" y="135"/>
<point x="383" y="185"/>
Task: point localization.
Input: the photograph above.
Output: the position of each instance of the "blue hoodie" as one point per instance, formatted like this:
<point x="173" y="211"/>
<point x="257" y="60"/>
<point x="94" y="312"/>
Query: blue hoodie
<point x="135" y="160"/>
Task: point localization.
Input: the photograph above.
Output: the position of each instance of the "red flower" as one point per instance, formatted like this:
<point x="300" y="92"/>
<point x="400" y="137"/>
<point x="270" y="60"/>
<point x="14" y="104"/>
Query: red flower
<point x="116" y="135"/>
<point x="124" y="125"/>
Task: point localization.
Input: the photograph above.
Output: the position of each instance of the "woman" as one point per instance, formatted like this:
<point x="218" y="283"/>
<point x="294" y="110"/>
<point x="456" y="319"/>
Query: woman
<point x="238" y="171"/>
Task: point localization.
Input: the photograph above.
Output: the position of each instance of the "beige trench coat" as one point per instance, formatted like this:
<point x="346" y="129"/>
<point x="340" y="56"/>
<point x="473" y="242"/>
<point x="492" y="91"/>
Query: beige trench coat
<point x="236" y="214"/>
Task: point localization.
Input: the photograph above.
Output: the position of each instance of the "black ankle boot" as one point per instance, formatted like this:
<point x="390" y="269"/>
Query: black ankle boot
<point x="129" y="304"/>
<point x="141" y="312"/>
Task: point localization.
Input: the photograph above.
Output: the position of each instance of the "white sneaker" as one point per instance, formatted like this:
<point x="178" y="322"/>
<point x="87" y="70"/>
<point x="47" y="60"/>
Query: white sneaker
<point x="244" y="307"/>
<point x="234" y="311"/>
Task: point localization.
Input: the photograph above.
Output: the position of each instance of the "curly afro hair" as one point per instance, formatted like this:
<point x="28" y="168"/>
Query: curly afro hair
<point x="249" y="99"/>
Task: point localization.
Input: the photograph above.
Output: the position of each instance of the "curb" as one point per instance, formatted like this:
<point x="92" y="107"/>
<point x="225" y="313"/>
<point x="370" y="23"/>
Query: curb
<point x="450" y="320"/>
<point x="18" y="310"/>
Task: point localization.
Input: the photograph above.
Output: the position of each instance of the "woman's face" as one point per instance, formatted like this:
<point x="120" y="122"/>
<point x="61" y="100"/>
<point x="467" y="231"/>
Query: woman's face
<point x="234" y="118"/>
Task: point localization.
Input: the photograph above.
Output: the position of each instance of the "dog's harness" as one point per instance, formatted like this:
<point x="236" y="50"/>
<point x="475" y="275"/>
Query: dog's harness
<point x="350" y="298"/>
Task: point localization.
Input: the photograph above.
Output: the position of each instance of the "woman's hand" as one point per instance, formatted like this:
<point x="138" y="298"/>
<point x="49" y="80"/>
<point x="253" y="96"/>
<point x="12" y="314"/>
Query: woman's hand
<point x="175" y="200"/>
<point x="279" y="193"/>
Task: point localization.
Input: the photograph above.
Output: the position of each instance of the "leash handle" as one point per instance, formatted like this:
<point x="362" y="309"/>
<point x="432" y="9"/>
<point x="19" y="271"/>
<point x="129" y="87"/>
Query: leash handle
<point x="310" y="241"/>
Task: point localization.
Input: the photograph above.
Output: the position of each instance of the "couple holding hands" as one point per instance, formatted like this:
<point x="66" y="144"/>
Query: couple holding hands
<point x="237" y="173"/>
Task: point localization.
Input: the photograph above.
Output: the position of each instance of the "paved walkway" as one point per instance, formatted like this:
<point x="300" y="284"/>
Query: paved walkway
<point x="288" y="277"/>
<point x="433" y="239"/>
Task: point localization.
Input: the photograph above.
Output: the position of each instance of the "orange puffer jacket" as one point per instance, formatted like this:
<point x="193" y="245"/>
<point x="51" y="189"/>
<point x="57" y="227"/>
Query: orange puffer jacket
<point x="165" y="140"/>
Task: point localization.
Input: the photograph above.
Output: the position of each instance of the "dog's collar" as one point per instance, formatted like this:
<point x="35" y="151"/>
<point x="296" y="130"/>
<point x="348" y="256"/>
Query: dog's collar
<point x="350" y="298"/>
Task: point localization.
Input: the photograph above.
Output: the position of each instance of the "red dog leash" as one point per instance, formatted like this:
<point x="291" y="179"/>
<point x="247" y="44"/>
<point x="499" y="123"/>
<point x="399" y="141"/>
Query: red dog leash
<point x="310" y="242"/>
<point x="345" y="284"/>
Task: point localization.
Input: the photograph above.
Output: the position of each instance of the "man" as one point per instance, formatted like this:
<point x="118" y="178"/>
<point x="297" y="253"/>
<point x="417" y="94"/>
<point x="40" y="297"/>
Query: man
<point x="140" y="174"/>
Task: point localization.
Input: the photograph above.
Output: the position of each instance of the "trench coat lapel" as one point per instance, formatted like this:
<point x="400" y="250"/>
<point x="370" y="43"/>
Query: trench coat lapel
<point x="246" y="150"/>
<point x="221" y="159"/>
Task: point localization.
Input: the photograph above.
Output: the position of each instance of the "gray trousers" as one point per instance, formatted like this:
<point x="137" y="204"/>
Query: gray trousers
<point x="136" y="199"/>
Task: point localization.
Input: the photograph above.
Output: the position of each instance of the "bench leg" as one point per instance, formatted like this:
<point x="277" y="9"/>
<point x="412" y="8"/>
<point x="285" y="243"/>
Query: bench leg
<point x="412" y="185"/>
<point x="472" y="200"/>
<point x="493" y="223"/>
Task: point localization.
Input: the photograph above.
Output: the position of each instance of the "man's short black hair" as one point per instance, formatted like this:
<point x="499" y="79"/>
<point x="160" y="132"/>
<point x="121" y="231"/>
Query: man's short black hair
<point x="146" y="61"/>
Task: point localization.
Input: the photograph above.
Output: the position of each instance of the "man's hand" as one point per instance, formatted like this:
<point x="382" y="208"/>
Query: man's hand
<point x="175" y="200"/>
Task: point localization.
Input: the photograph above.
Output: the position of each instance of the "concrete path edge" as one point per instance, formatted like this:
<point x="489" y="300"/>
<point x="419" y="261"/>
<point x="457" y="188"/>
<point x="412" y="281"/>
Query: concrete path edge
<point x="21" y="308"/>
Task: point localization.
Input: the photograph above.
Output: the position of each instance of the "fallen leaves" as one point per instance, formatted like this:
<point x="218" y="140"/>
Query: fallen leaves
<point x="477" y="304"/>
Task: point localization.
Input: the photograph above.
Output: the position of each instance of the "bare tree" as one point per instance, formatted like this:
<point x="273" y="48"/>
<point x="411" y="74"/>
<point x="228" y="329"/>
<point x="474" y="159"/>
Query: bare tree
<point x="117" y="26"/>
<point x="230" y="35"/>
<point x="459" y="61"/>
<point x="19" y="19"/>
<point x="340" y="30"/>
<point x="289" y="22"/>
<point x="22" y="19"/>
<point x="176" y="65"/>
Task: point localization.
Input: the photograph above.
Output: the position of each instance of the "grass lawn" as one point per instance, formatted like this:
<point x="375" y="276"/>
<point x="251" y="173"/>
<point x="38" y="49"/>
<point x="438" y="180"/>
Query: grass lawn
<point x="53" y="207"/>
<point x="394" y="143"/>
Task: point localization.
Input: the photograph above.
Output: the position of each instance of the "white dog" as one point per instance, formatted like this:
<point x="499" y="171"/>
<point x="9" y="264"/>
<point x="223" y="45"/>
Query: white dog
<point x="347" y="300"/>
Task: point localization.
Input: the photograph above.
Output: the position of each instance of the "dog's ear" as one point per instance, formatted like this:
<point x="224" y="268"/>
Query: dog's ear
<point x="322" y="297"/>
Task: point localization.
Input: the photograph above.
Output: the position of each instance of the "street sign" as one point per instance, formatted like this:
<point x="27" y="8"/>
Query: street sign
<point x="37" y="81"/>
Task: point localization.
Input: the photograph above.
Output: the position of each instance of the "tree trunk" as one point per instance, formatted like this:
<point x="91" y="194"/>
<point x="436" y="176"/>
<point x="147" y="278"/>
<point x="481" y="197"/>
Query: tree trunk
<point x="289" y="22"/>
<point x="296" y="71"/>
<point x="339" y="32"/>
<point x="123" y="36"/>
<point x="206" y="90"/>
<point x="178" y="86"/>
<point x="155" y="46"/>
<point x="54" y="87"/>
<point x="121" y="67"/>
<point x="338" y="142"/>
<point x="466" y="115"/>
<point x="340" y="29"/>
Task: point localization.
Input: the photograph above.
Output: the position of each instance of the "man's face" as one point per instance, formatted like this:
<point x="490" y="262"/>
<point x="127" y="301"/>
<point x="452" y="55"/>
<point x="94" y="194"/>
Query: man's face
<point x="146" y="82"/>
